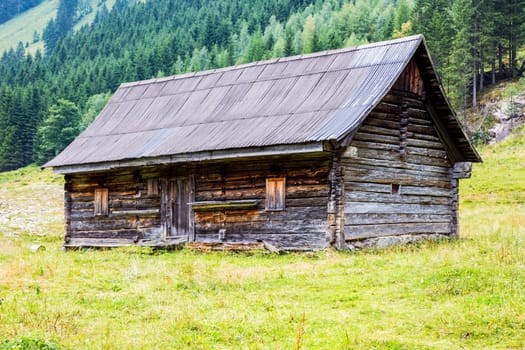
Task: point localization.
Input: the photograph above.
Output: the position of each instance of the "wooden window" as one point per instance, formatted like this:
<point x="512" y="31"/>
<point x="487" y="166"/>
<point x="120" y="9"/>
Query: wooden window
<point x="101" y="202"/>
<point x="275" y="193"/>
<point x="153" y="187"/>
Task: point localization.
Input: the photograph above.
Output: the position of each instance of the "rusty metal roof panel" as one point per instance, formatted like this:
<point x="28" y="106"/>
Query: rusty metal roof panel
<point x="301" y="99"/>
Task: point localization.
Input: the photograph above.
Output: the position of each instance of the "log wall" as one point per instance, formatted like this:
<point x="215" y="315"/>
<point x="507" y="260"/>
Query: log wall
<point x="133" y="216"/>
<point x="303" y="223"/>
<point x="135" y="207"/>
<point x="397" y="175"/>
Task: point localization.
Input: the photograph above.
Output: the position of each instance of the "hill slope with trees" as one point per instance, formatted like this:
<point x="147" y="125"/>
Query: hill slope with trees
<point x="47" y="98"/>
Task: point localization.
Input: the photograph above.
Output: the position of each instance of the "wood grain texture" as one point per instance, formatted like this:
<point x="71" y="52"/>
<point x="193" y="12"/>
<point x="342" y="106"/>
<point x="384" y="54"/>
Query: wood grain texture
<point x="413" y="158"/>
<point x="138" y="213"/>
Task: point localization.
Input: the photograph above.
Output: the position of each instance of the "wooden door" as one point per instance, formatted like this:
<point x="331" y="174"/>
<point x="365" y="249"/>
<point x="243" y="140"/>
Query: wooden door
<point x="177" y="216"/>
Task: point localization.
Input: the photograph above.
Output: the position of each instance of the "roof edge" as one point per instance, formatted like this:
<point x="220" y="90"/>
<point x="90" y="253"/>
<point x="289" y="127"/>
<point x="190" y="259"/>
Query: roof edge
<point x="304" y="148"/>
<point x="357" y="123"/>
<point x="447" y="101"/>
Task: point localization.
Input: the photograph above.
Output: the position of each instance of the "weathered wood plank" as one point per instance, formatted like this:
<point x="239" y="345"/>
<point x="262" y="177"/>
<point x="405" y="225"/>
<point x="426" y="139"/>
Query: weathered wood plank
<point x="381" y="163"/>
<point x="369" y="137"/>
<point x="215" y="205"/>
<point x="462" y="170"/>
<point x="411" y="159"/>
<point x="368" y="231"/>
<point x="284" y="241"/>
<point x="378" y="130"/>
<point x="291" y="227"/>
<point x="113" y="223"/>
<point x="427" y="191"/>
<point x="425" y="144"/>
<point x="354" y="196"/>
<point x="109" y="234"/>
<point x="395" y="208"/>
<point x="136" y="212"/>
<point x="352" y="219"/>
<point x="404" y="177"/>
<point x="234" y="216"/>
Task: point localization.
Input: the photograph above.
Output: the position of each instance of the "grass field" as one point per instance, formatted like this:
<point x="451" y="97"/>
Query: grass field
<point x="22" y="28"/>
<point x="464" y="294"/>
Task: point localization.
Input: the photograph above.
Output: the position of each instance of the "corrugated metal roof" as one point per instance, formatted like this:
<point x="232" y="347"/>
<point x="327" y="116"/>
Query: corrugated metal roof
<point x="301" y="99"/>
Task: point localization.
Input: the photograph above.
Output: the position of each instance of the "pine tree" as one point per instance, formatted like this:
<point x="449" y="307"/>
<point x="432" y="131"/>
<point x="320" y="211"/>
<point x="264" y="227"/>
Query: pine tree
<point x="432" y="18"/>
<point x="309" y="35"/>
<point x="288" y="44"/>
<point x="462" y="67"/>
<point x="58" y="129"/>
<point x="256" y="48"/>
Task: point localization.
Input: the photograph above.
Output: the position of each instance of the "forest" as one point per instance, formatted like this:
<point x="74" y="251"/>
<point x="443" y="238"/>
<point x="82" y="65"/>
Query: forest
<point x="49" y="97"/>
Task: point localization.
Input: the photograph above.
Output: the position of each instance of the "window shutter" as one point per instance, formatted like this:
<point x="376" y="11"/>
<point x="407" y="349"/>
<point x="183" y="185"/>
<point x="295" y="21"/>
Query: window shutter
<point x="101" y="202"/>
<point x="275" y="193"/>
<point x="153" y="187"/>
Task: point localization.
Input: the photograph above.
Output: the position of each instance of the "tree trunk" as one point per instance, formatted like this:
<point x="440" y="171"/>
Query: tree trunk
<point x="493" y="71"/>
<point x="481" y="75"/>
<point x="513" y="58"/>
<point x="474" y="85"/>
<point x="500" y="58"/>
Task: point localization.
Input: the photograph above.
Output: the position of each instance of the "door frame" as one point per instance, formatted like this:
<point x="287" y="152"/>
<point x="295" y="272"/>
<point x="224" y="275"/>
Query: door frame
<point x="167" y="211"/>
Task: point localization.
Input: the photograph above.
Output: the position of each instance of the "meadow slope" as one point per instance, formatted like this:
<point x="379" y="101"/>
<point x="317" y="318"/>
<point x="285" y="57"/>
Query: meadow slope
<point x="464" y="294"/>
<point x="22" y="28"/>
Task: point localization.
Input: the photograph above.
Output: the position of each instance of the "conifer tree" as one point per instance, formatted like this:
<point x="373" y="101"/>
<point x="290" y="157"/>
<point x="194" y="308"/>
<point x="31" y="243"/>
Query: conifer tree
<point x="57" y="130"/>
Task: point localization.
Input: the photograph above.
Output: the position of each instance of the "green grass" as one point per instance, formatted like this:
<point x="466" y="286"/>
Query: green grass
<point x="464" y="294"/>
<point x="22" y="27"/>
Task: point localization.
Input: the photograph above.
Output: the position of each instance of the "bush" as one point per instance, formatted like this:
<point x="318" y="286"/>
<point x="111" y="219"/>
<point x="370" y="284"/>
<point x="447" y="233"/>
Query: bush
<point x="26" y="343"/>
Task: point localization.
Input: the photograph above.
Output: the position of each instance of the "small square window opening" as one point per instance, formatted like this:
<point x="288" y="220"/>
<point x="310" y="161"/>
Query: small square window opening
<point x="101" y="202"/>
<point x="396" y="189"/>
<point x="275" y="193"/>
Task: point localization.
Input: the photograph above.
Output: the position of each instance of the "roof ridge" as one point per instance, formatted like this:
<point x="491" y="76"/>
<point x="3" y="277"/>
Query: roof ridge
<point x="273" y="61"/>
<point x="295" y="75"/>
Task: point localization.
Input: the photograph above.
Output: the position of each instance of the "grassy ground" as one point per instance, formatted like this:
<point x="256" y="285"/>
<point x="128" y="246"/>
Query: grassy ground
<point x="465" y="294"/>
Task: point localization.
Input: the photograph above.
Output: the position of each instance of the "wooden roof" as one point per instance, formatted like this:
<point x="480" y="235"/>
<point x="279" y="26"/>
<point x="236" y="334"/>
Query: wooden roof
<point x="277" y="104"/>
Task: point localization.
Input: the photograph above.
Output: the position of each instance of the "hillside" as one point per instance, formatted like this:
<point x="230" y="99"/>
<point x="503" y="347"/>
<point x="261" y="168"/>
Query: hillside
<point x="464" y="294"/>
<point x="501" y="109"/>
<point x="22" y="28"/>
<point x="13" y="8"/>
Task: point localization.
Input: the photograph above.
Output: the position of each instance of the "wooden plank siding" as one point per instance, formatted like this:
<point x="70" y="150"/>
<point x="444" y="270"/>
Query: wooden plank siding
<point x="135" y="208"/>
<point x="397" y="175"/>
<point x="130" y="214"/>
<point x="300" y="225"/>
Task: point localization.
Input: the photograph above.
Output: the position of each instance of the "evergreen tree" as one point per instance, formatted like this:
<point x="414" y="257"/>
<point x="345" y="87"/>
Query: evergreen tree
<point x="256" y="48"/>
<point x="462" y="67"/>
<point x="432" y="18"/>
<point x="288" y="44"/>
<point x="58" y="130"/>
<point x="402" y="14"/>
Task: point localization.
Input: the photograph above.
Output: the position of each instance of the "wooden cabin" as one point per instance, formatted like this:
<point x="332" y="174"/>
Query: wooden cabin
<point x="347" y="148"/>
